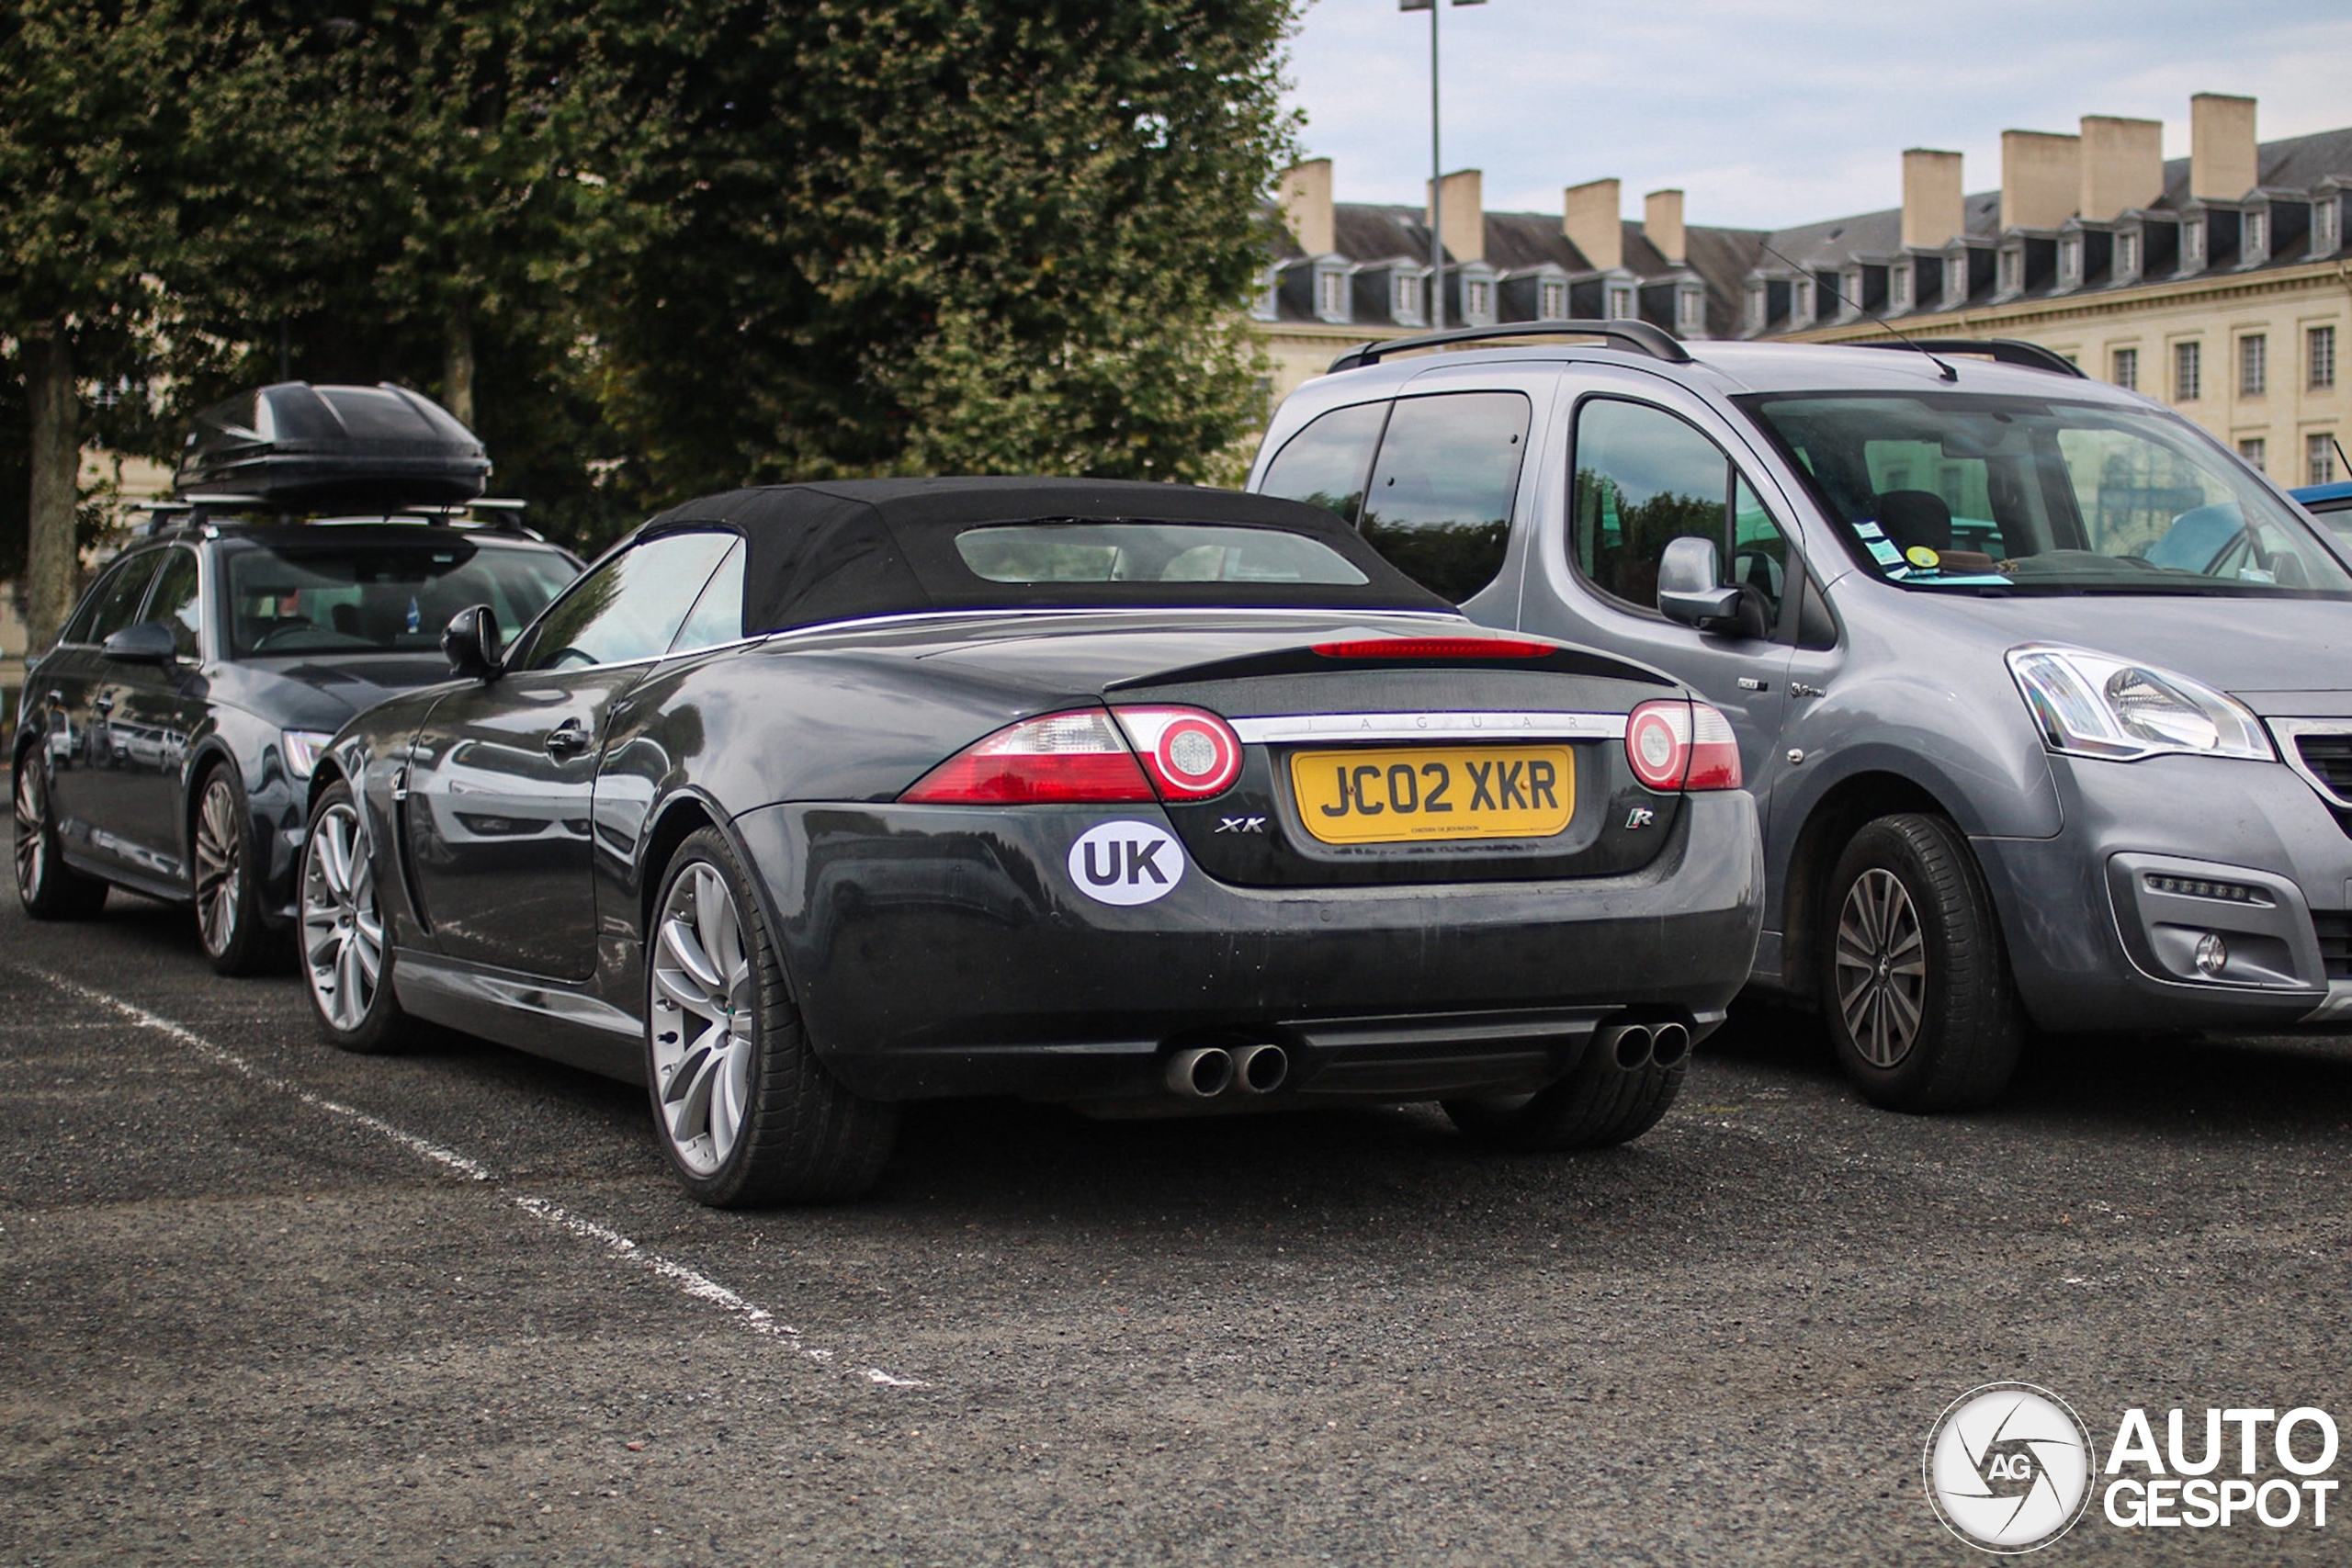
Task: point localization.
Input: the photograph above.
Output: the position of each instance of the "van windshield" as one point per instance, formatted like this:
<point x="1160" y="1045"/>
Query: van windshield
<point x="1967" y="491"/>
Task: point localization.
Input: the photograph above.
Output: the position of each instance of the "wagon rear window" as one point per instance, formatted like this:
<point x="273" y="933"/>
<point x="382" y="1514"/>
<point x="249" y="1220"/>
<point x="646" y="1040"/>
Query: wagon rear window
<point x="1148" y="552"/>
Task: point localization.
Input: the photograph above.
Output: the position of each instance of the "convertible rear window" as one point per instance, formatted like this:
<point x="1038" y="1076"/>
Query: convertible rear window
<point x="1148" y="552"/>
<point x="309" y="599"/>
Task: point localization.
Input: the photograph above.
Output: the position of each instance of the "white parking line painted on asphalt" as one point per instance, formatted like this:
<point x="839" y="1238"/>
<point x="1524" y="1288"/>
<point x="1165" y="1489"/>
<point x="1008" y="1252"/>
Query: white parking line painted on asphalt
<point x="700" y="1286"/>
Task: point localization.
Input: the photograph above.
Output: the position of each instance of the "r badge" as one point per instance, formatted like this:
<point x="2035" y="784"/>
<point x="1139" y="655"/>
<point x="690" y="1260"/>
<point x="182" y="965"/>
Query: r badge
<point x="1127" y="862"/>
<point x="1640" y="816"/>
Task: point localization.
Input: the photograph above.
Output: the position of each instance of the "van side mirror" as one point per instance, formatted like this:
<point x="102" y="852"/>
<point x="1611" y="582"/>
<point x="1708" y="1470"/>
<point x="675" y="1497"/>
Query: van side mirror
<point x="149" y="642"/>
<point x="471" y="644"/>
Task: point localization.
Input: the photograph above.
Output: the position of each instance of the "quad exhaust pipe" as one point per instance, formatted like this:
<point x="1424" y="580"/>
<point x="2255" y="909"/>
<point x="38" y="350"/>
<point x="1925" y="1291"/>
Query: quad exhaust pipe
<point x="1637" y="1046"/>
<point x="1205" y="1071"/>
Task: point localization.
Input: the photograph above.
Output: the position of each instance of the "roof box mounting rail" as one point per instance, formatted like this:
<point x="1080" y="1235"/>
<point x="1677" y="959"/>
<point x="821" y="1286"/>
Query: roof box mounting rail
<point x="1999" y="350"/>
<point x="1639" y="336"/>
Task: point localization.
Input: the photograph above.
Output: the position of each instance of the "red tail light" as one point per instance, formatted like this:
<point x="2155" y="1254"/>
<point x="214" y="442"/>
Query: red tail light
<point x="1435" y="648"/>
<point x="1682" y="746"/>
<point x="1190" y="753"/>
<point x="1077" y="756"/>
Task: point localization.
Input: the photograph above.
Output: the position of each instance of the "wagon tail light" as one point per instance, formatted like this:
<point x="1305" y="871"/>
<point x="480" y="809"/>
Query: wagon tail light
<point x="1682" y="746"/>
<point x="1086" y="757"/>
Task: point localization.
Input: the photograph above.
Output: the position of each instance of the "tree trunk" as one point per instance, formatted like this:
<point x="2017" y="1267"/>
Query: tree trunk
<point x="457" y="368"/>
<point x="52" y="565"/>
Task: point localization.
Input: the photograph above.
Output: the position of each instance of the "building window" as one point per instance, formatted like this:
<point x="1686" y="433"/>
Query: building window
<point x="1956" y="280"/>
<point x="2327" y="224"/>
<point x="2254" y="364"/>
<point x="1477" y="300"/>
<point x="2127" y="256"/>
<point x="2319" y="353"/>
<point x="2012" y="271"/>
<point x="1898" y="289"/>
<point x="2070" y="261"/>
<point x="1332" y="294"/>
<point x="2188" y="372"/>
<point x="2254" y="449"/>
<point x="2257" y="243"/>
<point x="1268" y="305"/>
<point x="2126" y="363"/>
<point x="1690" y="309"/>
<point x="1621" y="302"/>
<point x="2192" y="245"/>
<point x="2319" y="459"/>
<point x="1405" y="297"/>
<point x="1552" y="300"/>
<point x="1801" y="303"/>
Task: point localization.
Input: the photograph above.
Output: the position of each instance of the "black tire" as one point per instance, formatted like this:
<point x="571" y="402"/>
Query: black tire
<point x="1922" y="1010"/>
<point x="46" y="885"/>
<point x="334" y="896"/>
<point x="227" y="878"/>
<point x="1599" y="1105"/>
<point x="798" y="1137"/>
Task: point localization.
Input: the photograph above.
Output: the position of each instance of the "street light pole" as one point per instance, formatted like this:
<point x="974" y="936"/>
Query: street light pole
<point x="1437" y="169"/>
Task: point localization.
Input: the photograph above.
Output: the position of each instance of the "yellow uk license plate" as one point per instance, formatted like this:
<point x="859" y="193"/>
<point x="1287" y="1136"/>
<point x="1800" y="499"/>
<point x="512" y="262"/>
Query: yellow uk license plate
<point x="1434" y="792"/>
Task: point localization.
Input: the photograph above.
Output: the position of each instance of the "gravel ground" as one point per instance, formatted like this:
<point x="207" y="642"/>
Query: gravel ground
<point x="264" y="1303"/>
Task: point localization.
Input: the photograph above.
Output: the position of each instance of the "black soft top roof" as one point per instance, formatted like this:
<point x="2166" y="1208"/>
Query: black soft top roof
<point x="848" y="548"/>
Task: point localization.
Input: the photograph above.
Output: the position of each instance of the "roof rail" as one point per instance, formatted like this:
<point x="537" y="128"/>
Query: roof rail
<point x="2000" y="350"/>
<point x="1639" y="336"/>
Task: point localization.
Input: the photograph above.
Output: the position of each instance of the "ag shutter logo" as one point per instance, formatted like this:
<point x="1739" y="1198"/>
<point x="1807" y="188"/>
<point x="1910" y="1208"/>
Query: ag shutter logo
<point x="2008" y="1467"/>
<point x="1127" y="862"/>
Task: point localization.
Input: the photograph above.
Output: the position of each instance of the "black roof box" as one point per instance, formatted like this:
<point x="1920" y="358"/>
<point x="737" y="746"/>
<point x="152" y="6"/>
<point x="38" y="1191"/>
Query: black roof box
<point x="297" y="446"/>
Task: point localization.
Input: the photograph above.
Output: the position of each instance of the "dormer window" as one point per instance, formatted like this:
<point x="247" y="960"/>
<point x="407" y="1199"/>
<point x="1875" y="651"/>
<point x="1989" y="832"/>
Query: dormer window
<point x="2011" y="271"/>
<point x="1405" y="297"/>
<point x="1478" y="301"/>
<point x="2327" y="224"/>
<point x="2255" y="243"/>
<point x="1267" y="305"/>
<point x="2192" y="245"/>
<point x="1690" y="309"/>
<point x="1801" y="312"/>
<point x="1622" y="306"/>
<point x="1332" y="293"/>
<point x="1551" y="299"/>
<point x="1899" y="288"/>
<point x="2127" y="256"/>
<point x="2070" y="261"/>
<point x="1759" y="307"/>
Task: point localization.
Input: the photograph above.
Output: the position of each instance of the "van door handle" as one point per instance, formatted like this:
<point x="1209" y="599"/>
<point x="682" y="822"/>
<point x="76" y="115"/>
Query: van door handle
<point x="567" y="739"/>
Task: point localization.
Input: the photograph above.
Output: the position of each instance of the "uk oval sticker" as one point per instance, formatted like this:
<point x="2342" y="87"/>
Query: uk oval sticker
<point x="1127" y="862"/>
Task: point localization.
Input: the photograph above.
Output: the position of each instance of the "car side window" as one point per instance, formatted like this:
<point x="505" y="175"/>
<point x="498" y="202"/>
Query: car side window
<point x="629" y="608"/>
<point x="1325" y="464"/>
<point x="86" y="614"/>
<point x="1440" y="502"/>
<point x="1646" y="478"/>
<point x="120" y="605"/>
<point x="176" y="604"/>
<point x="718" y="616"/>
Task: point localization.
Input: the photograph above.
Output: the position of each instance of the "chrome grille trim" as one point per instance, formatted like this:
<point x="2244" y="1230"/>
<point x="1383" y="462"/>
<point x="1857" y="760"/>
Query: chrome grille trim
<point x="2289" y="733"/>
<point x="1286" y="728"/>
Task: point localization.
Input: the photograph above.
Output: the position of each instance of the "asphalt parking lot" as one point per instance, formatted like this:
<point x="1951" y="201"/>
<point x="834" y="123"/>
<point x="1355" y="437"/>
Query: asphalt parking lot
<point x="260" y="1301"/>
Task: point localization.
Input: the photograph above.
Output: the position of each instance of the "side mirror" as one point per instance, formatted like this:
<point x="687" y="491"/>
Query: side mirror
<point x="1690" y="584"/>
<point x="149" y="642"/>
<point x="471" y="644"/>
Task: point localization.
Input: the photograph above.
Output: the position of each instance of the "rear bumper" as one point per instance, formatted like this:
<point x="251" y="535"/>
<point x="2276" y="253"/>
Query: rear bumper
<point x="944" y="951"/>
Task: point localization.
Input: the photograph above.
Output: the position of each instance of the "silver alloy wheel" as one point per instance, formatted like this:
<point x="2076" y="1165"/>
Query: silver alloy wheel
<point x="343" y="933"/>
<point x="704" y="1024"/>
<point x="1882" y="968"/>
<point x="220" y="869"/>
<point x="32" y="836"/>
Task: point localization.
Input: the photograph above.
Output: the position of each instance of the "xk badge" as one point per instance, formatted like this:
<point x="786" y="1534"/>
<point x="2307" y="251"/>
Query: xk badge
<point x="1127" y="862"/>
<point x="1241" y="825"/>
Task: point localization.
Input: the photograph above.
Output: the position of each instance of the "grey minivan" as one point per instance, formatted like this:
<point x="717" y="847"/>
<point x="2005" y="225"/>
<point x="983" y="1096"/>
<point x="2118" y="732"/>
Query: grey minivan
<point x="2044" y="696"/>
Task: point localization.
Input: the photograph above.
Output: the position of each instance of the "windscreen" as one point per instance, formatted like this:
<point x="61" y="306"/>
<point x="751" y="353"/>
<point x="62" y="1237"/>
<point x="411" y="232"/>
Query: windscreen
<point x="1974" y="493"/>
<point x="344" y="599"/>
<point x="1148" y="552"/>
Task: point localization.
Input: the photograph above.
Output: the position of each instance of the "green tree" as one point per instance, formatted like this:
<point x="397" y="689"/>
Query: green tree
<point x="980" y="235"/>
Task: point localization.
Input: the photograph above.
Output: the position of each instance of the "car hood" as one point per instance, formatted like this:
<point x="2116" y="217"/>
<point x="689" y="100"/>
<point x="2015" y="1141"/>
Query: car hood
<point x="2280" y="657"/>
<point x="311" y="694"/>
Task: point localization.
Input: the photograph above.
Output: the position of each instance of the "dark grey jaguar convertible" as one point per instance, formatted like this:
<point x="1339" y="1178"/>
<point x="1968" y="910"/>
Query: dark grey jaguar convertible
<point x="808" y="800"/>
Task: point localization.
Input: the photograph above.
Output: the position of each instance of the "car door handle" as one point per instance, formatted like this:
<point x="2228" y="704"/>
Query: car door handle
<point x="567" y="739"/>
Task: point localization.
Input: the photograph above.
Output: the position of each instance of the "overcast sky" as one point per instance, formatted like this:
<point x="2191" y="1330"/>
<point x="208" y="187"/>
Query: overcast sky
<point x="1774" y="112"/>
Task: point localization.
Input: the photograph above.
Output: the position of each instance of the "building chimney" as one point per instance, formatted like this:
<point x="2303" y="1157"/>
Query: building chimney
<point x="2041" y="178"/>
<point x="1933" y="208"/>
<point x="1662" y="223"/>
<point x="2123" y="165"/>
<point x="1591" y="222"/>
<point x="1306" y="196"/>
<point x="2221" y="146"/>
<point x="1465" y="218"/>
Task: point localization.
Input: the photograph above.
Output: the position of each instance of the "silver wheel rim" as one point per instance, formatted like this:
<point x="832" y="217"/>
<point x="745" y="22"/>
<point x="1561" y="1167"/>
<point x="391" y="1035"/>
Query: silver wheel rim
<point x="32" y="842"/>
<point x="220" y="869"/>
<point x="1882" y="968"/>
<point x="703" y="1024"/>
<point x="342" y="934"/>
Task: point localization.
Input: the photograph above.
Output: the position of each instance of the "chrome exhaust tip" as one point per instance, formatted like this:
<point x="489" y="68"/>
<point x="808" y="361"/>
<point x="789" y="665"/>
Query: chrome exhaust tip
<point x="1630" y="1043"/>
<point x="1670" y="1042"/>
<point x="1261" y="1069"/>
<point x="1202" y="1073"/>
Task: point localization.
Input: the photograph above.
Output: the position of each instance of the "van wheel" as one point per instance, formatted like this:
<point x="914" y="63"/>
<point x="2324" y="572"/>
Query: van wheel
<point x="1917" y="989"/>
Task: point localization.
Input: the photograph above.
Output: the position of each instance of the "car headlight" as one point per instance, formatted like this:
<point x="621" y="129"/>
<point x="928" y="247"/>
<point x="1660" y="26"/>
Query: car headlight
<point x="2089" y="705"/>
<point x="302" y="749"/>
